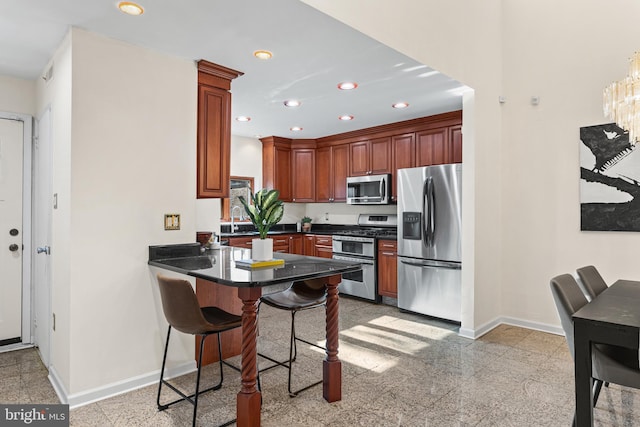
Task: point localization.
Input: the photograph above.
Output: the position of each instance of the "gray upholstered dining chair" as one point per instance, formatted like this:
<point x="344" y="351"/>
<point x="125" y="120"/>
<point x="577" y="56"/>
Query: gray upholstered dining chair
<point x="301" y="295"/>
<point x="182" y="311"/>
<point x="592" y="281"/>
<point x="610" y="364"/>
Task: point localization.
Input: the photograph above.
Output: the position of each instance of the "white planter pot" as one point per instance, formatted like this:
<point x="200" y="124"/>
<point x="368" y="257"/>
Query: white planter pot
<point x="262" y="249"/>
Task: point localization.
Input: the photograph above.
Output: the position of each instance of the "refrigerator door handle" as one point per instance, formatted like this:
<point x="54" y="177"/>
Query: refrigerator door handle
<point x="428" y="224"/>
<point x="433" y="264"/>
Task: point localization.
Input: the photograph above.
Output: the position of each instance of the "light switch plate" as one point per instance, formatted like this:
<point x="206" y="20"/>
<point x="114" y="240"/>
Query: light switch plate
<point x="172" y="221"/>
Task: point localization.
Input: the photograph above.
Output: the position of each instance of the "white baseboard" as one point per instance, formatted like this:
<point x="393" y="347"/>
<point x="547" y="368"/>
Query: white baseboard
<point x="119" y="387"/>
<point x="483" y="329"/>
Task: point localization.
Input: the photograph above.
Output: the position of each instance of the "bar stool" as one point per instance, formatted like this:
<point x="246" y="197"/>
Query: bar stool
<point x="301" y="295"/>
<point x="182" y="311"/>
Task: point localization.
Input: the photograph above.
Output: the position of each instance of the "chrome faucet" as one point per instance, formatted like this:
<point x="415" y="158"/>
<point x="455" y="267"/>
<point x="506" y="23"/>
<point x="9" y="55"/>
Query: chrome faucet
<point x="234" y="227"/>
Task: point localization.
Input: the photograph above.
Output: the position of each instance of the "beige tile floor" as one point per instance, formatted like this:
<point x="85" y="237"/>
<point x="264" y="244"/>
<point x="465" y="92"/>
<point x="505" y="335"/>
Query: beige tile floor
<point x="399" y="369"/>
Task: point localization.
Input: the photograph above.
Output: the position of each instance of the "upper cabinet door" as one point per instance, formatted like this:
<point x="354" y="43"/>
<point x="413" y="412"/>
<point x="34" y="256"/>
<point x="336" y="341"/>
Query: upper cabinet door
<point x="276" y="167"/>
<point x="359" y="158"/>
<point x="214" y="129"/>
<point x="214" y="141"/>
<point x="431" y="147"/>
<point x="324" y="177"/>
<point x="370" y="157"/>
<point x="380" y="156"/>
<point x="304" y="170"/>
<point x="403" y="149"/>
<point x="340" y="172"/>
<point x="455" y="135"/>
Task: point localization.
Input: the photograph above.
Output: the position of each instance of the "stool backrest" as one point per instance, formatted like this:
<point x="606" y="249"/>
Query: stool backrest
<point x="311" y="287"/>
<point x="180" y="306"/>
<point x="569" y="299"/>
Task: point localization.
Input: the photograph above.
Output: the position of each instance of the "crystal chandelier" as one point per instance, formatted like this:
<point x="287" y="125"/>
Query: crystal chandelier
<point x="621" y="100"/>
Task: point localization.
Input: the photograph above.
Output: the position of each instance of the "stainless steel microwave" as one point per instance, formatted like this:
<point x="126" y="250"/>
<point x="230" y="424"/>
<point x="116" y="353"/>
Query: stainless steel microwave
<point x="369" y="189"/>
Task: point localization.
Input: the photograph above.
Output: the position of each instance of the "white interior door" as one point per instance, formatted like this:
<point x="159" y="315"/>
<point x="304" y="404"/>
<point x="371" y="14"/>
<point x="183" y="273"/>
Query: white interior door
<point x="42" y="236"/>
<point x="11" y="230"/>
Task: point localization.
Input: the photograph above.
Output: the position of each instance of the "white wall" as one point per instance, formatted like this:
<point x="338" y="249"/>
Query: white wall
<point x="525" y="200"/>
<point x="541" y="212"/>
<point x="129" y="160"/>
<point x="17" y="95"/>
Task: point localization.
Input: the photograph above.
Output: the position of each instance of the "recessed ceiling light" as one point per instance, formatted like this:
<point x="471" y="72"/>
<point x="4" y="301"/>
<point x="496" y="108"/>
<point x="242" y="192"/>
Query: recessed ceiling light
<point x="243" y="118"/>
<point x="296" y="128"/>
<point x="346" y="117"/>
<point x="130" y="8"/>
<point x="262" y="54"/>
<point x="347" y="85"/>
<point x="292" y="103"/>
<point x="400" y="105"/>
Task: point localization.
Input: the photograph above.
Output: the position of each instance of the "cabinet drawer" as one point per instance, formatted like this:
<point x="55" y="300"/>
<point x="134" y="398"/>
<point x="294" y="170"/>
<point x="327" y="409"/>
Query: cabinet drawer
<point x="324" y="241"/>
<point x="388" y="245"/>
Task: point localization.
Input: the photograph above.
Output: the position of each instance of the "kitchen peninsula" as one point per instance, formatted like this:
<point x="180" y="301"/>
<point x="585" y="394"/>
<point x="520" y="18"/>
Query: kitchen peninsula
<point x="219" y="268"/>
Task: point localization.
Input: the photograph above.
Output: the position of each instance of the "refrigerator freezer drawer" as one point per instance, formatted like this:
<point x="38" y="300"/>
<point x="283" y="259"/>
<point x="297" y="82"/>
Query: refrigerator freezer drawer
<point x="434" y="290"/>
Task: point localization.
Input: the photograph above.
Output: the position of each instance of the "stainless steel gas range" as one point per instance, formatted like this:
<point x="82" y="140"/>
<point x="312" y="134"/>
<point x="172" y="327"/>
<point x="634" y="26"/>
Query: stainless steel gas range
<point x="360" y="245"/>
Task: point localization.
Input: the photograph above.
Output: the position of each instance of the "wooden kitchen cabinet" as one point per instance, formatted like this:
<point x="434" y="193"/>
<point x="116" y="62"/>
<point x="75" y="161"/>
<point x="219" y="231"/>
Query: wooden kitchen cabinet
<point x="324" y="246"/>
<point x="403" y="148"/>
<point x="309" y="245"/>
<point x="388" y="268"/>
<point x="332" y="170"/>
<point x="276" y="166"/>
<point x="241" y="242"/>
<point x="295" y="244"/>
<point x="439" y="146"/>
<point x="281" y="242"/>
<point x="214" y="129"/>
<point x="455" y="138"/>
<point x="303" y="162"/>
<point x="370" y="157"/>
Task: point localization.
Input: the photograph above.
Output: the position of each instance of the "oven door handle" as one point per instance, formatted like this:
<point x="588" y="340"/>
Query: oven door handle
<point x="360" y="260"/>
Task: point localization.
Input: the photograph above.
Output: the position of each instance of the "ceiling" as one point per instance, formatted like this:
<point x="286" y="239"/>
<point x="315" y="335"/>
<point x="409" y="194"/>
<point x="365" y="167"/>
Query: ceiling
<point x="312" y="53"/>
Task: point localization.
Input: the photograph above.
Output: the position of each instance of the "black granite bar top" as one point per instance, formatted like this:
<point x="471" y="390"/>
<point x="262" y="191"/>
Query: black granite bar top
<point x="218" y="265"/>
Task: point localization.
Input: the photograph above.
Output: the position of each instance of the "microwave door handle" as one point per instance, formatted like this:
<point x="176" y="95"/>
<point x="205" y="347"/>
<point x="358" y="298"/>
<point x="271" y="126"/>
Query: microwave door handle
<point x="382" y="189"/>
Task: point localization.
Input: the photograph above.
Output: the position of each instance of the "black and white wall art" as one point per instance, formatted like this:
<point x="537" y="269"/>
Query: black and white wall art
<point x="609" y="180"/>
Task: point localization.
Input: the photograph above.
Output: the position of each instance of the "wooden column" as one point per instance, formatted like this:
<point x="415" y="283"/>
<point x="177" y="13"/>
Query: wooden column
<point x="248" y="404"/>
<point x="332" y="367"/>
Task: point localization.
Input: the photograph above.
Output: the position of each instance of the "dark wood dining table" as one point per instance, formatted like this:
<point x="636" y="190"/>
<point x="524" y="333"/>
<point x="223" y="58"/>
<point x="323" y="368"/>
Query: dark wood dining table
<point x="613" y="317"/>
<point x="218" y="266"/>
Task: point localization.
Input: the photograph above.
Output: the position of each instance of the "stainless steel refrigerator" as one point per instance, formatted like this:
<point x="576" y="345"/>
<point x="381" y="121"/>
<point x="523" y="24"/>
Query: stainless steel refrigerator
<point x="429" y="235"/>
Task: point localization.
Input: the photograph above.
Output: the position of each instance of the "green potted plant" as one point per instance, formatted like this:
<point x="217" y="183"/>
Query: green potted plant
<point x="306" y="223"/>
<point x="265" y="212"/>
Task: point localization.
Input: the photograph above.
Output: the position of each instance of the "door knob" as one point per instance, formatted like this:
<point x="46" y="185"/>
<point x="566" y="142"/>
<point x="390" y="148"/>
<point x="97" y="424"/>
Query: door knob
<point x="45" y="249"/>
<point x="14" y="247"/>
<point x="14" y="231"/>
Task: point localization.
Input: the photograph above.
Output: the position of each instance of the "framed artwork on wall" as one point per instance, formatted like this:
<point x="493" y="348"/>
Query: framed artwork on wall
<point x="609" y="180"/>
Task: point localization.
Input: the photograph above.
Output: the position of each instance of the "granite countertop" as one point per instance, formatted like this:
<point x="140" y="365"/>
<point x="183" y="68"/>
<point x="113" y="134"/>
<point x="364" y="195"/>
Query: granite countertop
<point x="218" y="265"/>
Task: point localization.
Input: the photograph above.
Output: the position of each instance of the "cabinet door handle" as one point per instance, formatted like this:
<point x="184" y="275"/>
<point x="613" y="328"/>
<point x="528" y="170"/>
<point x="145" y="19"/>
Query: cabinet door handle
<point x="389" y="253"/>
